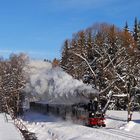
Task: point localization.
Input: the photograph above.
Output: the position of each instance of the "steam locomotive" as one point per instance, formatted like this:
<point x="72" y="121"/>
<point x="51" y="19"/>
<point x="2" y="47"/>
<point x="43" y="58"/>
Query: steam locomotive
<point x="78" y="113"/>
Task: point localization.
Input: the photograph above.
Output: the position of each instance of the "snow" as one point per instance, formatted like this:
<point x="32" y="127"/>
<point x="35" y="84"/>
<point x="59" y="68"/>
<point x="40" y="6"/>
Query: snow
<point x="51" y="128"/>
<point x="120" y="95"/>
<point x="8" y="131"/>
<point x="54" y="85"/>
<point x="129" y="126"/>
<point x="133" y="126"/>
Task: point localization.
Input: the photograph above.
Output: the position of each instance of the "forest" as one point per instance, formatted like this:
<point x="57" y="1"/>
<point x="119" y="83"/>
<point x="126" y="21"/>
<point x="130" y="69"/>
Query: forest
<point x="108" y="58"/>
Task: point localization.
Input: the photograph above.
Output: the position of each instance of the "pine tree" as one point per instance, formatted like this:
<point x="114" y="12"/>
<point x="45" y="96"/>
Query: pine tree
<point x="138" y="41"/>
<point x="136" y="33"/>
<point x="126" y="27"/>
<point x="64" y="59"/>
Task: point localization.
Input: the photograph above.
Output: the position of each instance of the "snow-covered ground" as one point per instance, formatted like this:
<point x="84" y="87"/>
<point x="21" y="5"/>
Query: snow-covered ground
<point x="51" y="128"/>
<point x="8" y="131"/>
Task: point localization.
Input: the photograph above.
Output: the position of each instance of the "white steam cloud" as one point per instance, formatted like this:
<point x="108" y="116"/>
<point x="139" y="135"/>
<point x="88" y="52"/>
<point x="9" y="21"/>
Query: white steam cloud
<point x="53" y="85"/>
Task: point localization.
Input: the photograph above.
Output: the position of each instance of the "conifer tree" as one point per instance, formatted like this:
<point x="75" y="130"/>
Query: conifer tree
<point x="136" y="33"/>
<point x="64" y="59"/>
<point x="138" y="41"/>
<point x="126" y="27"/>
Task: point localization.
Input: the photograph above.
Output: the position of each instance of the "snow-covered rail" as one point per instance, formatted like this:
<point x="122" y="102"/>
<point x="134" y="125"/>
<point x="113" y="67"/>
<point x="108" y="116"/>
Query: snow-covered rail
<point x="119" y="132"/>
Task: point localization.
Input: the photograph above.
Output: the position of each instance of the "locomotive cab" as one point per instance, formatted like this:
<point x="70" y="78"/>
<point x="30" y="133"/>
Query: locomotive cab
<point x="96" y="119"/>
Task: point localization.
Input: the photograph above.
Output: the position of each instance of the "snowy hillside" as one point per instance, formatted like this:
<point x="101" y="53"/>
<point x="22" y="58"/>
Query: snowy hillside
<point x="54" y="85"/>
<point x="51" y="128"/>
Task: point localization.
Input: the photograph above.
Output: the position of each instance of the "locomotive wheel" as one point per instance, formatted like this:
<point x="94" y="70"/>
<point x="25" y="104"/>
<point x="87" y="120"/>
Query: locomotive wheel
<point x="89" y="125"/>
<point x="103" y="125"/>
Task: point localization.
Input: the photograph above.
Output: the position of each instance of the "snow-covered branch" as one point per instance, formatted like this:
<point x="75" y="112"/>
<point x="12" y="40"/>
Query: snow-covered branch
<point x="85" y="61"/>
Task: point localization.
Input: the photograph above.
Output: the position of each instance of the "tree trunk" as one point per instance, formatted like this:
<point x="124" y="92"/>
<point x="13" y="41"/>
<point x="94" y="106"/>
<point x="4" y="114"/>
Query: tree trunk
<point x="129" y="116"/>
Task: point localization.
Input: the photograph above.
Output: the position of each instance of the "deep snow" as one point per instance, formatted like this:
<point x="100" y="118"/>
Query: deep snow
<point x="8" y="130"/>
<point x="51" y="128"/>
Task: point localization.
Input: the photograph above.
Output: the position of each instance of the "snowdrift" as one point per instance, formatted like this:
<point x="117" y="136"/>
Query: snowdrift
<point x="53" y="85"/>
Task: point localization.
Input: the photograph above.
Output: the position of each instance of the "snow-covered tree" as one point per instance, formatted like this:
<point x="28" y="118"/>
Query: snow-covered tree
<point x="12" y="81"/>
<point x="107" y="56"/>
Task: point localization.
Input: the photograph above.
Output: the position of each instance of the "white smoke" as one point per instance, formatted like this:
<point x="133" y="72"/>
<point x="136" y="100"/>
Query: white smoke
<point x="54" y="85"/>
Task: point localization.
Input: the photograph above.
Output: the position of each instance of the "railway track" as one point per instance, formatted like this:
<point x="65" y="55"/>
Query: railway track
<point x="121" y="133"/>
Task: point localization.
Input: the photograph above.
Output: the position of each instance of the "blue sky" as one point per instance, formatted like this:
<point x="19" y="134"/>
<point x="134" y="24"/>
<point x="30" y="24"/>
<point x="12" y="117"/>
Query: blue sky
<point x="39" y="27"/>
